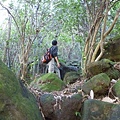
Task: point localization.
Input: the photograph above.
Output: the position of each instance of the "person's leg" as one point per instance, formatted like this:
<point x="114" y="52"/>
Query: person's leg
<point x="51" y="66"/>
<point x="57" y="71"/>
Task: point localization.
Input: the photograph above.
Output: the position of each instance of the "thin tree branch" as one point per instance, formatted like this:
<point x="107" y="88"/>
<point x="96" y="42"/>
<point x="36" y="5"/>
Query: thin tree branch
<point x="11" y="16"/>
<point x="102" y="33"/>
<point x="112" y="25"/>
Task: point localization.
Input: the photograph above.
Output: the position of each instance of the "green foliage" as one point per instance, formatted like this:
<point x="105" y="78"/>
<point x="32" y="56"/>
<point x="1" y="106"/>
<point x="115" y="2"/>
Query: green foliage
<point x="68" y="21"/>
<point x="112" y="13"/>
<point x="65" y="37"/>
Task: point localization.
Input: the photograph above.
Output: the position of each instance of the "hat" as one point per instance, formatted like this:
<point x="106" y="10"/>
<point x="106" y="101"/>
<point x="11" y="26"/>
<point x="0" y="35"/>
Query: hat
<point x="54" y="42"/>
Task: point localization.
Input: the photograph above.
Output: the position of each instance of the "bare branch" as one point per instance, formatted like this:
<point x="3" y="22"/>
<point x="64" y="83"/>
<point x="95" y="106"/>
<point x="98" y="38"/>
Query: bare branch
<point x="11" y="16"/>
<point x="112" y="25"/>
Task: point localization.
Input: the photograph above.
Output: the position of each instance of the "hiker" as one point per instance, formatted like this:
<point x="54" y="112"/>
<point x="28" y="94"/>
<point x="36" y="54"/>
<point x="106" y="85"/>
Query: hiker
<point x="52" y="64"/>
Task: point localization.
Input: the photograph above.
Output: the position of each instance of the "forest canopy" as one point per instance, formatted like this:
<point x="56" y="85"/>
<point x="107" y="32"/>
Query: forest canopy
<point x="80" y="26"/>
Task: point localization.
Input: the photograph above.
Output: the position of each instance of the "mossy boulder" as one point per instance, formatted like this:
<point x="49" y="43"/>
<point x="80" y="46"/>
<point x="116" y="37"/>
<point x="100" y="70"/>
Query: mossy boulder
<point x="99" y="110"/>
<point x="99" y="84"/>
<point x="112" y="49"/>
<point x="48" y="82"/>
<point x="103" y="66"/>
<point x="16" y="102"/>
<point x="116" y="89"/>
<point x="71" y="77"/>
<point x="113" y="73"/>
<point x="47" y="102"/>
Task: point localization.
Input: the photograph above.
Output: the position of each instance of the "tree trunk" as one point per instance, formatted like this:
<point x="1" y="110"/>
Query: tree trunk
<point x="93" y="44"/>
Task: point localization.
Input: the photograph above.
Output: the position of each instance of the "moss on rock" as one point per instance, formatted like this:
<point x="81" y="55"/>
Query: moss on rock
<point x="99" y="84"/>
<point x="71" y="77"/>
<point x="16" y="102"/>
<point x="113" y="73"/>
<point x="101" y="66"/>
<point x="116" y="89"/>
<point x="112" y="49"/>
<point x="99" y="110"/>
<point x="48" y="82"/>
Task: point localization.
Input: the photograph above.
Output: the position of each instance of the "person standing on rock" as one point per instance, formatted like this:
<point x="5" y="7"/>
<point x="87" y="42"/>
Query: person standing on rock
<point x="52" y="67"/>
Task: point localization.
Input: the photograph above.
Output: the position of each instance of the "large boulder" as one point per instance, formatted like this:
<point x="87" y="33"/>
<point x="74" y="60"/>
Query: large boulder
<point x="103" y="66"/>
<point x="47" y="102"/>
<point x="99" y="110"/>
<point x="112" y="49"/>
<point x="64" y="69"/>
<point x="16" y="102"/>
<point x="71" y="77"/>
<point x="48" y="82"/>
<point x="61" y="107"/>
<point x="99" y="84"/>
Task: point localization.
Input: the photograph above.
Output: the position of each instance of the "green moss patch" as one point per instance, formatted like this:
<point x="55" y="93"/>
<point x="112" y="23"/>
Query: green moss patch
<point x="16" y="102"/>
<point x="48" y="82"/>
<point x="116" y="89"/>
<point x="99" y="84"/>
<point x="71" y="77"/>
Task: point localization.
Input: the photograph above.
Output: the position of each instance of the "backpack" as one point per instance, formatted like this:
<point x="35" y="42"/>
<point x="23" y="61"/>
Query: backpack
<point x="47" y="57"/>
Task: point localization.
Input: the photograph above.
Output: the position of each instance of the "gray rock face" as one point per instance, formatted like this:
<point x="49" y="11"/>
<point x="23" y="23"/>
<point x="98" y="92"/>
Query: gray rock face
<point x="61" y="107"/>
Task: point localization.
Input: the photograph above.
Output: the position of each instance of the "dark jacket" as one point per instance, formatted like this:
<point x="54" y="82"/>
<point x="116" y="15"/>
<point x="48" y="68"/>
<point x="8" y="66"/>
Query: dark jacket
<point x="54" y="51"/>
